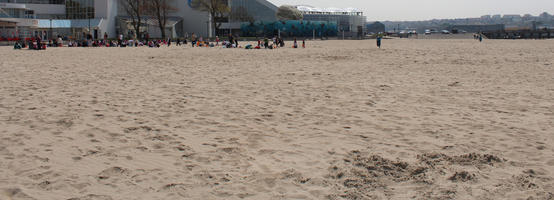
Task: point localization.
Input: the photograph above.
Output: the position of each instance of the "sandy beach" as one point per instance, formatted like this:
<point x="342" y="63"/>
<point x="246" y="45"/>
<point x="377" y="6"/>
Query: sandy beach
<point x="418" y="119"/>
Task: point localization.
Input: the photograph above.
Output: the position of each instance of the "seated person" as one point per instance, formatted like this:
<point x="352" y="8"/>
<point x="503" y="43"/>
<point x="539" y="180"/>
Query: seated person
<point x="17" y="46"/>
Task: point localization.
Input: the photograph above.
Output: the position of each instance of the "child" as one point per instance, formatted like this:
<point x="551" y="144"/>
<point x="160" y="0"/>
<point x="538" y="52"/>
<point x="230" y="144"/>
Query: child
<point x="295" y="45"/>
<point x="304" y="43"/>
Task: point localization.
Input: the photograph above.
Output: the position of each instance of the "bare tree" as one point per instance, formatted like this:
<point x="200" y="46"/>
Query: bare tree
<point x="135" y="10"/>
<point x="160" y="9"/>
<point x="287" y="12"/>
<point x="216" y="8"/>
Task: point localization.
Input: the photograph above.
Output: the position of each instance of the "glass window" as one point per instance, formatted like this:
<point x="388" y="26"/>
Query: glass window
<point x="245" y="10"/>
<point x="79" y="9"/>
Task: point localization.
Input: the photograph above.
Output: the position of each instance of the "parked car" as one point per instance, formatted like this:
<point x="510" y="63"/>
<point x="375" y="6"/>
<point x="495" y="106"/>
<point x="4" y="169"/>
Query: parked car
<point x="445" y="32"/>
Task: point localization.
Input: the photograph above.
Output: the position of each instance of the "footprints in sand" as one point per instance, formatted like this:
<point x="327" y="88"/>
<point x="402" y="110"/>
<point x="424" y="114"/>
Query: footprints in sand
<point x="112" y="172"/>
<point x="92" y="197"/>
<point x="168" y="131"/>
<point x="363" y="175"/>
<point x="14" y="194"/>
<point x="140" y="128"/>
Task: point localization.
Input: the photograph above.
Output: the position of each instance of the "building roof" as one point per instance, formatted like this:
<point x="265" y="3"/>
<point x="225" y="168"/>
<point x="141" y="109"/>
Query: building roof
<point x="268" y="4"/>
<point x="305" y="8"/>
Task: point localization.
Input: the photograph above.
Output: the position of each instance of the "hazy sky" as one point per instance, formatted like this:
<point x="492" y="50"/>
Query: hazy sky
<point x="431" y="9"/>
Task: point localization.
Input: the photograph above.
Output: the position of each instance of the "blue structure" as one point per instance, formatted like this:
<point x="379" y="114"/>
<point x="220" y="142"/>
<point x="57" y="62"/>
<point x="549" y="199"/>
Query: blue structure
<point x="290" y="28"/>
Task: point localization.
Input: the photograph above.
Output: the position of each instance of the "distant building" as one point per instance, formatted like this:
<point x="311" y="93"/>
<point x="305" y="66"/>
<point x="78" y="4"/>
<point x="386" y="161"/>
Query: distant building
<point x="528" y="17"/>
<point x="248" y="11"/>
<point x="478" y="28"/>
<point x="351" y="21"/>
<point x="376" y="27"/>
<point x="512" y="18"/>
<point x="75" y="18"/>
<point x="545" y="16"/>
<point x="47" y="18"/>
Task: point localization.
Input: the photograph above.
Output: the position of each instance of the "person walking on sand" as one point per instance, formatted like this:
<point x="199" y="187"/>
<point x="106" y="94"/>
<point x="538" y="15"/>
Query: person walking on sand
<point x="480" y="37"/>
<point x="266" y="42"/>
<point x="379" y="38"/>
<point x="193" y="39"/>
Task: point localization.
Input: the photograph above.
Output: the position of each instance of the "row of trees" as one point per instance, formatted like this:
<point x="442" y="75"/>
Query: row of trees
<point x="218" y="10"/>
<point x="157" y="9"/>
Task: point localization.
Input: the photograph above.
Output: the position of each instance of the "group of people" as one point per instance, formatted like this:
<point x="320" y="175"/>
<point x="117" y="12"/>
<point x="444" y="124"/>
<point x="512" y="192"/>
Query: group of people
<point x="38" y="44"/>
<point x="478" y="36"/>
<point x="119" y="43"/>
<point x="195" y="41"/>
<point x="34" y="43"/>
<point x="276" y="42"/>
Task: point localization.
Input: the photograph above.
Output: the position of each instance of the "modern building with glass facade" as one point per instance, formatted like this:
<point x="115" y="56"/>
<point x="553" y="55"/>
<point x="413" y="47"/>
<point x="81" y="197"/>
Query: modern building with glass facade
<point x="350" y="20"/>
<point x="49" y="18"/>
<point x="75" y="18"/>
<point x="247" y="11"/>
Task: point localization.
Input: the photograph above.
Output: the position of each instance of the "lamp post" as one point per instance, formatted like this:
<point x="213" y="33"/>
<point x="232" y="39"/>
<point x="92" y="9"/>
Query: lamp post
<point x="230" y="6"/>
<point x="89" y="30"/>
<point x="88" y="16"/>
<point x="50" y="29"/>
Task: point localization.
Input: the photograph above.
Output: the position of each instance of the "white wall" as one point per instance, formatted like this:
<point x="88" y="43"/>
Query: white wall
<point x="193" y="21"/>
<point x="107" y="10"/>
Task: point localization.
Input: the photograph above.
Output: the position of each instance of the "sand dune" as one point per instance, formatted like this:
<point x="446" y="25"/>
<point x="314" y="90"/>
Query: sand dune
<point x="418" y="119"/>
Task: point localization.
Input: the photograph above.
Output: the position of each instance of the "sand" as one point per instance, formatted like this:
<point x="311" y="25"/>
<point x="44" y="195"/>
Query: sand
<point x="418" y="119"/>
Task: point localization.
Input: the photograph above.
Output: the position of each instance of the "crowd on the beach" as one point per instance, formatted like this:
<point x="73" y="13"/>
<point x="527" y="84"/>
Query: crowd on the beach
<point x="38" y="43"/>
<point x="478" y="36"/>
